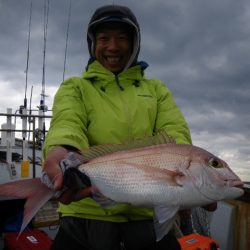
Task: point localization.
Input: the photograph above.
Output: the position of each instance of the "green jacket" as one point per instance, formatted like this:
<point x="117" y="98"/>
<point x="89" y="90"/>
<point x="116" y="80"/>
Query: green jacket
<point x="101" y="108"/>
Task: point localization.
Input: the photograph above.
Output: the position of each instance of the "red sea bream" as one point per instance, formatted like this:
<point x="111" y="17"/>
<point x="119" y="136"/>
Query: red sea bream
<point x="166" y="177"/>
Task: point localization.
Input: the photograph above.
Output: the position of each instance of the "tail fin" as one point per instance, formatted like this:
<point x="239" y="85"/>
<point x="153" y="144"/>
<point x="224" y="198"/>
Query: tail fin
<point x="35" y="193"/>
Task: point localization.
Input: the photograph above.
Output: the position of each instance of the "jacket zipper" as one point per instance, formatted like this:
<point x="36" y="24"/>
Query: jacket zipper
<point x="125" y="107"/>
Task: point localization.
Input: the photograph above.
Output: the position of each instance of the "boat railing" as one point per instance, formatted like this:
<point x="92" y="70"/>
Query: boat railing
<point x="23" y="133"/>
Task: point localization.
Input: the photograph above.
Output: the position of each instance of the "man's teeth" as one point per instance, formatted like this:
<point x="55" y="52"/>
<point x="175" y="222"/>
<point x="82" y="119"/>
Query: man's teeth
<point x="113" y="59"/>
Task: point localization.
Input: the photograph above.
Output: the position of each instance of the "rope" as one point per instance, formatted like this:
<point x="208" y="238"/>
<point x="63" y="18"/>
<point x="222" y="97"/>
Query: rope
<point x="67" y="36"/>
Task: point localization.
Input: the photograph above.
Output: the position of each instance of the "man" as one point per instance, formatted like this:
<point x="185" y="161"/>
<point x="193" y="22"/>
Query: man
<point x="111" y="103"/>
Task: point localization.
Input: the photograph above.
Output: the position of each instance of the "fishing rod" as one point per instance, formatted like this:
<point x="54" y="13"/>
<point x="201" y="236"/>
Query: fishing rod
<point x="45" y="31"/>
<point x="28" y="55"/>
<point x="67" y="36"/>
<point x="23" y="108"/>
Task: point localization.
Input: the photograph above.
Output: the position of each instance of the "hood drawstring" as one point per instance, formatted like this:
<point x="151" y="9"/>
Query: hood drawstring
<point x="118" y="83"/>
<point x="136" y="83"/>
<point x="102" y="88"/>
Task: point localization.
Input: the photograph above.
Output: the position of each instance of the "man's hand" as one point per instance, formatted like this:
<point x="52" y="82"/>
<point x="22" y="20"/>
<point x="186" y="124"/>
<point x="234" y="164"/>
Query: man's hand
<point x="52" y="168"/>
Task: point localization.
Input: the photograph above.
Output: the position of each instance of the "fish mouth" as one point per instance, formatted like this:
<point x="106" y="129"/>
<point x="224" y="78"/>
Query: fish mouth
<point x="228" y="185"/>
<point x="234" y="183"/>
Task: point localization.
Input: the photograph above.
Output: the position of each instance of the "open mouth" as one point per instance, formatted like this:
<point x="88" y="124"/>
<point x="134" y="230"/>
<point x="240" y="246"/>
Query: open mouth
<point x="113" y="59"/>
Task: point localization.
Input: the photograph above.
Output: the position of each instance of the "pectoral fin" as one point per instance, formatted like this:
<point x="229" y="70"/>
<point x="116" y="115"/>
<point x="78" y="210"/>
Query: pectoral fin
<point x="163" y="221"/>
<point x="102" y="200"/>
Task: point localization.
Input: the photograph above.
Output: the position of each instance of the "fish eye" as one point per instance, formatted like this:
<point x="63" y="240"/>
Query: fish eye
<point x="214" y="163"/>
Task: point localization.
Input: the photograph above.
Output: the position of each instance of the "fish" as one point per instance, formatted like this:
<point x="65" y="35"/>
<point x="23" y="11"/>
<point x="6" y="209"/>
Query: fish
<point x="153" y="172"/>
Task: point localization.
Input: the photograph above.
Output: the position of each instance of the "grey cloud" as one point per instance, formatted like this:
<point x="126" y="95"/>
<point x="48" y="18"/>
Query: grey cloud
<point x="199" y="48"/>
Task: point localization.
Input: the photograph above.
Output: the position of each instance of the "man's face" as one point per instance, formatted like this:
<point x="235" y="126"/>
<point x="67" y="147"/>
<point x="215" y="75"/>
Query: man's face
<point x="113" y="46"/>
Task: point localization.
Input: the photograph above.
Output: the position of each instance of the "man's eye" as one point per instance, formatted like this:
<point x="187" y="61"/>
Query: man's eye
<point x="123" y="37"/>
<point x="102" y="38"/>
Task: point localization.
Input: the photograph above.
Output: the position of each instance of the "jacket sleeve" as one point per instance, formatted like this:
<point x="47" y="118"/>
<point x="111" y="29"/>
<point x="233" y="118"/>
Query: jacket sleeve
<point x="169" y="117"/>
<point x="69" y="123"/>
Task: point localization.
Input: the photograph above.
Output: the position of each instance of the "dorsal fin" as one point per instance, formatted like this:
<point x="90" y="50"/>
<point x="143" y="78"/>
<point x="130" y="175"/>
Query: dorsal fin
<point x="100" y="150"/>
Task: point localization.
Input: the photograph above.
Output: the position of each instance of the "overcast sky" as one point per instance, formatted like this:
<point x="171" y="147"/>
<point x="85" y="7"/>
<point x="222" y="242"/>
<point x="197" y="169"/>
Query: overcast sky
<point x="201" y="49"/>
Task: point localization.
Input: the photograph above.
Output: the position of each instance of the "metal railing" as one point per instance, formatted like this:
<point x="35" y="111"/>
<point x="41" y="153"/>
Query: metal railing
<point x="23" y="131"/>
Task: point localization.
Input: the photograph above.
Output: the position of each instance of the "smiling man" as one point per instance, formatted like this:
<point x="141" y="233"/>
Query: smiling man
<point x="113" y="46"/>
<point x="112" y="103"/>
